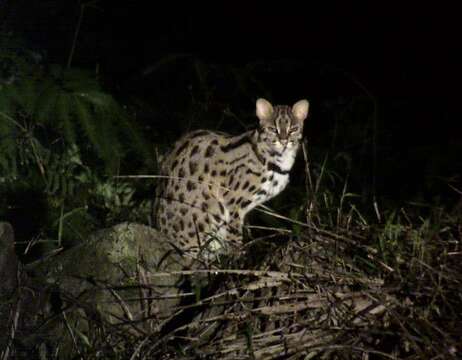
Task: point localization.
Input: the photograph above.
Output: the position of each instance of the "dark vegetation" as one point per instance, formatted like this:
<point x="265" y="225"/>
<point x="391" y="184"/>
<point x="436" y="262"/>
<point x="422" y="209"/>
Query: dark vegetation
<point x="70" y="132"/>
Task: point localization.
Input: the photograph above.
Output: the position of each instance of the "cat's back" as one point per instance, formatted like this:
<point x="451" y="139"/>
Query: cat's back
<point x="193" y="150"/>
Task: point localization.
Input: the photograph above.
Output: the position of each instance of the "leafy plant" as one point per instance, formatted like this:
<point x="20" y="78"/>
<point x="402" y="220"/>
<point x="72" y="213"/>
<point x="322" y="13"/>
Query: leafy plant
<point x="62" y="104"/>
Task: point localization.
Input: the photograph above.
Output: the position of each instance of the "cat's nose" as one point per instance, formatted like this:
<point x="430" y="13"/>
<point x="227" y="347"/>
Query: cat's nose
<point x="284" y="141"/>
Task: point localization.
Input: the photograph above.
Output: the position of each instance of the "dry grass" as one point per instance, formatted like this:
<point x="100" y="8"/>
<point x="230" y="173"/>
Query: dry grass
<point x="330" y="284"/>
<point x="388" y="290"/>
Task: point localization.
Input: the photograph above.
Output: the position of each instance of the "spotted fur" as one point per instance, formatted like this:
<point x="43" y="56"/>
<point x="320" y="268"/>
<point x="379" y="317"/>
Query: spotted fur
<point x="212" y="180"/>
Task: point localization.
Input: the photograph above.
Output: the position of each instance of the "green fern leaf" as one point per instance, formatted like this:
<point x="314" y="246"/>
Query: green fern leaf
<point x="6" y="104"/>
<point x="26" y="95"/>
<point x="69" y="102"/>
<point x="86" y="120"/>
<point x="46" y="103"/>
<point x="63" y="117"/>
<point x="77" y="80"/>
<point x="7" y="144"/>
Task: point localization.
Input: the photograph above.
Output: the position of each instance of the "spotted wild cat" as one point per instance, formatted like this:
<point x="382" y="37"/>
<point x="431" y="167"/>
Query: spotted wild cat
<point x="212" y="180"/>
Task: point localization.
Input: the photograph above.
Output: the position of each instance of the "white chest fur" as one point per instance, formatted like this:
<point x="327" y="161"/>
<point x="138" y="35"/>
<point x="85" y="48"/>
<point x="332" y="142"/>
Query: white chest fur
<point x="286" y="160"/>
<point x="273" y="187"/>
<point x="276" y="181"/>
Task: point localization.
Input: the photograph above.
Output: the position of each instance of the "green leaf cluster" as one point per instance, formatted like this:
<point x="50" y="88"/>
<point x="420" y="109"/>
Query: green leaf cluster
<point x="63" y="105"/>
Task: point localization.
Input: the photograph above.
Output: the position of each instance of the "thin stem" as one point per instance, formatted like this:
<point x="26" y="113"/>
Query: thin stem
<point x="76" y="34"/>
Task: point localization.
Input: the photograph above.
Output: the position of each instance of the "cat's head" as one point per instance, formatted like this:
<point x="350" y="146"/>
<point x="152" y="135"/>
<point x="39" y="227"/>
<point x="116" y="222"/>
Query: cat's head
<point x="281" y="126"/>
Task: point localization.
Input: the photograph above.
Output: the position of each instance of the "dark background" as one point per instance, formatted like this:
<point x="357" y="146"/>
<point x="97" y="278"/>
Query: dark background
<point x="404" y="49"/>
<point x="401" y="58"/>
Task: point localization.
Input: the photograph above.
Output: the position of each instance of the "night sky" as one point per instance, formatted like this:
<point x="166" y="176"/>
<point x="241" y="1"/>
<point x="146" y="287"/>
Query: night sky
<point x="404" y="55"/>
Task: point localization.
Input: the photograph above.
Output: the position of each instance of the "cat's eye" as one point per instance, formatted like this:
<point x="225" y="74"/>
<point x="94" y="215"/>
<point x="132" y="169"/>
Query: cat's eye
<point x="272" y="129"/>
<point x="294" y="129"/>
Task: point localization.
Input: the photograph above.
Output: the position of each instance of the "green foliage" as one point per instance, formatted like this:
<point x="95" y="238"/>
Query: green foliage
<point x="78" y="200"/>
<point x="53" y="121"/>
<point x="59" y="133"/>
<point x="67" y="105"/>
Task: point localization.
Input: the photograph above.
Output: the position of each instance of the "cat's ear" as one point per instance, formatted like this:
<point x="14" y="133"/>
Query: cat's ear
<point x="264" y="110"/>
<point x="300" y="110"/>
